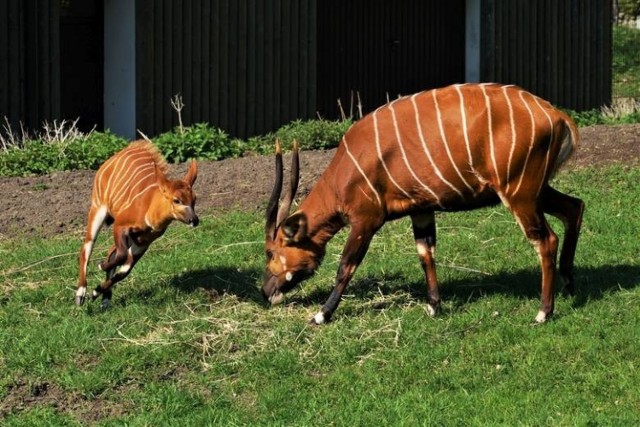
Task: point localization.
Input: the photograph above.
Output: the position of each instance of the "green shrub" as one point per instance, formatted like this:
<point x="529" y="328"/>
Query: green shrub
<point x="313" y="134"/>
<point x="38" y="158"/>
<point x="200" y="141"/>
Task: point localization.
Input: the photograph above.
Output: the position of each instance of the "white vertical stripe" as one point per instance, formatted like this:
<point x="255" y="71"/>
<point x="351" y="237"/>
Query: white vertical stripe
<point x="446" y="143"/>
<point x="491" y="142"/>
<point x="384" y="165"/>
<point x="126" y="184"/>
<point x="513" y="136"/>
<point x="357" y="165"/>
<point x="132" y="198"/>
<point x="426" y="150"/>
<point x="404" y="156"/>
<point x="465" y="131"/>
<point x="546" y="160"/>
<point x="531" y="141"/>
<point x="119" y="162"/>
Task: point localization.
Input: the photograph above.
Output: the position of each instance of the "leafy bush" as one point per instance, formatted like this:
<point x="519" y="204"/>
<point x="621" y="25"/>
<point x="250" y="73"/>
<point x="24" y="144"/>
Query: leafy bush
<point x="38" y="158"/>
<point x="200" y="141"/>
<point x="313" y="134"/>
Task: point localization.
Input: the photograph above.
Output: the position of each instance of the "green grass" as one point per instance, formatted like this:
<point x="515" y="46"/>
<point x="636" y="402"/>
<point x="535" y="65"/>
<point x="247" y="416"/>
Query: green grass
<point x="626" y="62"/>
<point x="189" y="341"/>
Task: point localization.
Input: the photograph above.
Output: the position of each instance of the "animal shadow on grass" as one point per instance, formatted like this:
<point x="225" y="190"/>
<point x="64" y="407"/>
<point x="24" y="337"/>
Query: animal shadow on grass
<point x="218" y="281"/>
<point x="590" y="284"/>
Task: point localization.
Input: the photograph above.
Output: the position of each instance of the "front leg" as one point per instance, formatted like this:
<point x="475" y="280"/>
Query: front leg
<point x="118" y="252"/>
<point x="352" y="255"/>
<point x="134" y="253"/>
<point x="424" y="233"/>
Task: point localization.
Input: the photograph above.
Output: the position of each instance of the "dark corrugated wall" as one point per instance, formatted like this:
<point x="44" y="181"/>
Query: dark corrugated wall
<point x="386" y="48"/>
<point x="29" y="62"/>
<point x="557" y="49"/>
<point x="246" y="66"/>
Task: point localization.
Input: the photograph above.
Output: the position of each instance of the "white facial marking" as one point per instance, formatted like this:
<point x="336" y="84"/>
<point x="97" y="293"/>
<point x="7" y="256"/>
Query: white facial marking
<point x="541" y="317"/>
<point x="288" y="276"/>
<point x="319" y="318"/>
<point x="283" y="261"/>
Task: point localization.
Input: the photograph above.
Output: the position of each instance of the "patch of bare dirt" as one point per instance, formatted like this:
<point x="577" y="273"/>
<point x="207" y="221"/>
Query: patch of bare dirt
<point x="58" y="203"/>
<point x="22" y="396"/>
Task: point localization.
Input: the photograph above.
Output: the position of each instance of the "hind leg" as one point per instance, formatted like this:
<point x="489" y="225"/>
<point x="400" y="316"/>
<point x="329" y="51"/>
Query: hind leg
<point x="95" y="220"/>
<point x="569" y="210"/>
<point x="118" y="256"/>
<point x="536" y="228"/>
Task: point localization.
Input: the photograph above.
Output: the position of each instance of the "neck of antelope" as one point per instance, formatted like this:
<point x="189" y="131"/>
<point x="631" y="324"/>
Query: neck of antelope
<point x="159" y="214"/>
<point x="323" y="214"/>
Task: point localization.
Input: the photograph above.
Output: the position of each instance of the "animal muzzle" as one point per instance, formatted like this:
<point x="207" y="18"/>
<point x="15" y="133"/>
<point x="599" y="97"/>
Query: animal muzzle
<point x="271" y="291"/>
<point x="190" y="217"/>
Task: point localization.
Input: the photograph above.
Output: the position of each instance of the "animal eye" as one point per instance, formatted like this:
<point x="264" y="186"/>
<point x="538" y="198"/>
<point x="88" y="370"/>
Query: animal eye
<point x="269" y="254"/>
<point x="177" y="201"/>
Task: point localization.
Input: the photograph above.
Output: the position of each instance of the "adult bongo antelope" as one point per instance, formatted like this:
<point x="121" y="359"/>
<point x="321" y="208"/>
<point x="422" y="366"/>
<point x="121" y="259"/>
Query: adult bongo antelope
<point x="131" y="191"/>
<point x="457" y="148"/>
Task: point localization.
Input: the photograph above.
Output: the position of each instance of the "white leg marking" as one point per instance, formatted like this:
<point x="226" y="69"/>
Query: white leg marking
<point x="541" y="317"/>
<point x="94" y="293"/>
<point x="431" y="310"/>
<point x="319" y="318"/>
<point x="422" y="247"/>
<point x="81" y="292"/>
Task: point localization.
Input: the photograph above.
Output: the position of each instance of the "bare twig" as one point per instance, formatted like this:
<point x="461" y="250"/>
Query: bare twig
<point x="178" y="105"/>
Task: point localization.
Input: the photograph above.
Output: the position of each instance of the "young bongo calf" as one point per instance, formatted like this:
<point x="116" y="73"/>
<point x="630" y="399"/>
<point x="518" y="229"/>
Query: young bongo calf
<point x="131" y="191"/>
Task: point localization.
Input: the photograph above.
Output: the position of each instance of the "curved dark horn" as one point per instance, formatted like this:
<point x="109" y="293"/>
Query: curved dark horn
<point x="283" y="212"/>
<point x="272" y="207"/>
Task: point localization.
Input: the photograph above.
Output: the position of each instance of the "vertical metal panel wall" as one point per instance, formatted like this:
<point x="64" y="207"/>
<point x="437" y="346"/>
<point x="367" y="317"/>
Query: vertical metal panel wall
<point x="386" y="48"/>
<point x="29" y="62"/>
<point x="246" y="66"/>
<point x="558" y="49"/>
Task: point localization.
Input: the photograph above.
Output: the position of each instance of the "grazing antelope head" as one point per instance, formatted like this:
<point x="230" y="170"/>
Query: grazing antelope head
<point x="292" y="255"/>
<point x="456" y="148"/>
<point x="132" y="192"/>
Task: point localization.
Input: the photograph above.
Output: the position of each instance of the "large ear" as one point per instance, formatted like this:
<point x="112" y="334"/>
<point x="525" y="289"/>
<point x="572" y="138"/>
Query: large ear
<point x="192" y="174"/>
<point x="295" y="227"/>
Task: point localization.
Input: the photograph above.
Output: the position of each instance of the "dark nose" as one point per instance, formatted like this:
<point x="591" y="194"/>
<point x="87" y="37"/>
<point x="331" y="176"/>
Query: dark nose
<point x="194" y="221"/>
